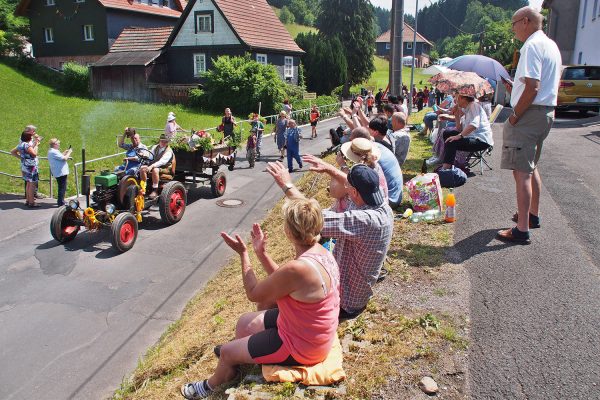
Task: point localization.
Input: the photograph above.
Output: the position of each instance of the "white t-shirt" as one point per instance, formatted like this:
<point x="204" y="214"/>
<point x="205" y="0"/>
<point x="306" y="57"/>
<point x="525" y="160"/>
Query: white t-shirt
<point x="476" y="117"/>
<point x="540" y="60"/>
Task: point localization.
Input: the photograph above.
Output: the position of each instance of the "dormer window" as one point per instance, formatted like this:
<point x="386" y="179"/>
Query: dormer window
<point x="204" y="22"/>
<point x="88" y="33"/>
<point x="50" y="3"/>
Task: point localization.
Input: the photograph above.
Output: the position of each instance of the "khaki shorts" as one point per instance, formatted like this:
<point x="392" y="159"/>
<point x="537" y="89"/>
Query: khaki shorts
<point x="522" y="143"/>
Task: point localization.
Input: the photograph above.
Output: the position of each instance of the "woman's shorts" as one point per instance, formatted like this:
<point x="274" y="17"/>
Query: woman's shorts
<point x="30" y="174"/>
<point x="314" y="123"/>
<point x="266" y="347"/>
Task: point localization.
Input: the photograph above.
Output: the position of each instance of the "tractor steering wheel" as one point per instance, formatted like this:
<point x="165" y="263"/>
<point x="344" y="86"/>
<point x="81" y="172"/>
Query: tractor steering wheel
<point x="145" y="155"/>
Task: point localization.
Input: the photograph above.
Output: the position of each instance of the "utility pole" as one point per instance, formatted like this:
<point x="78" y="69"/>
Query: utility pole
<point x="397" y="47"/>
<point x="412" y="68"/>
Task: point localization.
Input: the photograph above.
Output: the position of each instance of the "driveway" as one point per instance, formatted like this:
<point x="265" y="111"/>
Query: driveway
<point x="76" y="318"/>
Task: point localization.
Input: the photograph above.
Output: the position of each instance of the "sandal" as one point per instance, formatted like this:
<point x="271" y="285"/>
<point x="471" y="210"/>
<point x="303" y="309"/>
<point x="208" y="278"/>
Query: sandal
<point x="195" y="390"/>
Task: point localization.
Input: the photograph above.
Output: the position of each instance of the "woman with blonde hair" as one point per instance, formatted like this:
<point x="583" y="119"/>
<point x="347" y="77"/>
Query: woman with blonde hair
<point x="301" y="330"/>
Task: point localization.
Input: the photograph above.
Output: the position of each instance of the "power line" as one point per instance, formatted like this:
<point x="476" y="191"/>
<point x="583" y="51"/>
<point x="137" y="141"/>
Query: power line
<point x="450" y="22"/>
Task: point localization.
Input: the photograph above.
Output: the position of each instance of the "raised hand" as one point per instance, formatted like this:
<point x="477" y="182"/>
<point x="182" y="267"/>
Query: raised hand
<point x="237" y="244"/>
<point x="316" y="164"/>
<point x="279" y="173"/>
<point x="259" y="239"/>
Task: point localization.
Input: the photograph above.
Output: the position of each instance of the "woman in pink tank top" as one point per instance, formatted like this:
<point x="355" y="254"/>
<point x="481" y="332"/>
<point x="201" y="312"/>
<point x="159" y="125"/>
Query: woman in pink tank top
<point x="301" y="330"/>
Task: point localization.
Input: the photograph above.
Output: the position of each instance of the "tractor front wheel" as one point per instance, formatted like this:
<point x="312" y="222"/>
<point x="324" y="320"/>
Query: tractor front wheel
<point x="62" y="225"/>
<point x="124" y="231"/>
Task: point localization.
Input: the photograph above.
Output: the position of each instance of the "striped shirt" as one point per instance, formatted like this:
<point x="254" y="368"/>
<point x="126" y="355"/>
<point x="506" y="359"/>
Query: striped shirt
<point x="363" y="236"/>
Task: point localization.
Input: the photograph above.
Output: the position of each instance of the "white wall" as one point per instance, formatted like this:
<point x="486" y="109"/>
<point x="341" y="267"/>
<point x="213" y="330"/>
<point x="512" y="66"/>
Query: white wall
<point x="222" y="35"/>
<point x="586" y="42"/>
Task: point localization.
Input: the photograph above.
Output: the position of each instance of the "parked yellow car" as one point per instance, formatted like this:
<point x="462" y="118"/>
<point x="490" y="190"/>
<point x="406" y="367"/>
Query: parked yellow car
<point x="579" y="88"/>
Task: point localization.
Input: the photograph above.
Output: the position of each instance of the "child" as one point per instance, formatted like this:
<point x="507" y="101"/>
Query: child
<point x="314" y="119"/>
<point x="292" y="139"/>
<point x="259" y="128"/>
<point x="251" y="148"/>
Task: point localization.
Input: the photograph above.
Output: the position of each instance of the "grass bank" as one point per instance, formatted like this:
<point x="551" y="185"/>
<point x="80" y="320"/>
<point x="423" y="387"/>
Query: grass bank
<point x="387" y="349"/>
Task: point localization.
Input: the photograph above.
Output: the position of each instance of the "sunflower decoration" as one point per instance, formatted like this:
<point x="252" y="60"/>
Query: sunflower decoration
<point x="89" y="217"/>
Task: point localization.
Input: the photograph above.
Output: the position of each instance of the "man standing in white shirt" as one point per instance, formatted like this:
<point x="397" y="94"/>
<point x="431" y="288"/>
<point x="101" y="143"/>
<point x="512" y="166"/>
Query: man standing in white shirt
<point x="533" y="99"/>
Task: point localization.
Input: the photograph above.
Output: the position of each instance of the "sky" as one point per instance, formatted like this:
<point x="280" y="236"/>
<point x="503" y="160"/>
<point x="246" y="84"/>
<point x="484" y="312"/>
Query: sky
<point x="409" y="5"/>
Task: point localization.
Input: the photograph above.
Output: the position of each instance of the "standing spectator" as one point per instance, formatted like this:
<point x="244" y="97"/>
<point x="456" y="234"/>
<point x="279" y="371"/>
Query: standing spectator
<point x="292" y="140"/>
<point x="131" y="162"/>
<point x="279" y="129"/>
<point x="259" y="128"/>
<point x="379" y="100"/>
<point x="228" y="122"/>
<point x="171" y="128"/>
<point x="420" y="99"/>
<point x="533" y="99"/>
<point x="425" y="96"/>
<point x="59" y="168"/>
<point x="27" y="151"/>
<point x="431" y="97"/>
<point x="251" y="148"/>
<point x="287" y="108"/>
<point x="33" y="130"/>
<point x="370" y="102"/>
<point x="363" y="232"/>
<point x="314" y="119"/>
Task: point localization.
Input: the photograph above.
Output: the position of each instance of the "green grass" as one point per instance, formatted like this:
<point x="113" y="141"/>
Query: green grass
<point x="76" y="121"/>
<point x="296" y="29"/>
<point x="380" y="77"/>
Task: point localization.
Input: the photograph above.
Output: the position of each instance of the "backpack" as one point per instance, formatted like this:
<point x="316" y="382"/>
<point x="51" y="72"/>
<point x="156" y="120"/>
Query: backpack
<point x="451" y="178"/>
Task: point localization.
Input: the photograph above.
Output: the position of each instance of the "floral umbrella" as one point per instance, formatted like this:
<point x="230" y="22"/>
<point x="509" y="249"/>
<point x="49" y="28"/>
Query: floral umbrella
<point x="464" y="83"/>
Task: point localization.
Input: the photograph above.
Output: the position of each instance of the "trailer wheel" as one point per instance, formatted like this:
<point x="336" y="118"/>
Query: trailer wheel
<point x="218" y="184"/>
<point x="62" y="227"/>
<point x="231" y="167"/>
<point x="172" y="202"/>
<point x="124" y="231"/>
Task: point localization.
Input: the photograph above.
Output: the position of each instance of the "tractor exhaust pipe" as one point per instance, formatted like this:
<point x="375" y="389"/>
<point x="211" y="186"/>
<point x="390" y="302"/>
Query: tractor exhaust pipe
<point x="85" y="180"/>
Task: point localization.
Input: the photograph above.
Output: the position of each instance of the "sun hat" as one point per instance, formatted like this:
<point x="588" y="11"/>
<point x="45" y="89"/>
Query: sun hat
<point x="358" y="148"/>
<point x="366" y="181"/>
<point x="170" y="117"/>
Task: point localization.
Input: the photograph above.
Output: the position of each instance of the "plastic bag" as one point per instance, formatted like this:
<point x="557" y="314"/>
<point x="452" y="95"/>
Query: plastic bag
<point x="425" y="192"/>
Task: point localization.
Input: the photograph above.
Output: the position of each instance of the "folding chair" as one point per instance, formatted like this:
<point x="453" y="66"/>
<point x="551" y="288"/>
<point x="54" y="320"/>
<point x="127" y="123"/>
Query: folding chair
<point x="478" y="157"/>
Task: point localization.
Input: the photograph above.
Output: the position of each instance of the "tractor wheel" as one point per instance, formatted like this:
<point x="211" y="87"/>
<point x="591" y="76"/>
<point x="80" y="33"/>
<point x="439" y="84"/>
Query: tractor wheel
<point x="218" y="184"/>
<point x="129" y="199"/>
<point x="231" y="167"/>
<point x="172" y="202"/>
<point x="124" y="231"/>
<point x="62" y="227"/>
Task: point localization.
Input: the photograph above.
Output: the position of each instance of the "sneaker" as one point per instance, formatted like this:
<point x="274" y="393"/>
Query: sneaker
<point x="196" y="390"/>
<point x="153" y="195"/>
<point x="433" y="161"/>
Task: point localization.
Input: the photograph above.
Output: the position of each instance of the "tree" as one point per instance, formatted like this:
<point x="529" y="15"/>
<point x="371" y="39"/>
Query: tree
<point x="325" y="65"/>
<point x="286" y="17"/>
<point x="352" y="22"/>
<point x="383" y="19"/>
<point x="458" y="45"/>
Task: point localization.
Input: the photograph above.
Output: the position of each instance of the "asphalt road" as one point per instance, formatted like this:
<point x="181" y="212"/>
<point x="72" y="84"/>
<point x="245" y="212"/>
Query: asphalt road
<point x="535" y="309"/>
<point x="75" y="318"/>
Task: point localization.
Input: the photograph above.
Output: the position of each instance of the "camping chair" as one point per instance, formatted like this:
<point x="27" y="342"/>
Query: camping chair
<point x="478" y="157"/>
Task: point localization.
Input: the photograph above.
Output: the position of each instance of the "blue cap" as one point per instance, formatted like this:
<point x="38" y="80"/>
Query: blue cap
<point x="366" y="181"/>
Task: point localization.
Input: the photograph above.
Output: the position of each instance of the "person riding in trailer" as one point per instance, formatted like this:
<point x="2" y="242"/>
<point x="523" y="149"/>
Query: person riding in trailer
<point x="162" y="162"/>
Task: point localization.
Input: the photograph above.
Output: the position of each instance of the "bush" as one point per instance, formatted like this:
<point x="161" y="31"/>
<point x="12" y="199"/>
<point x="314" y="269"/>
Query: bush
<point x="195" y="97"/>
<point x="240" y="84"/>
<point x="286" y="16"/>
<point x="76" y="80"/>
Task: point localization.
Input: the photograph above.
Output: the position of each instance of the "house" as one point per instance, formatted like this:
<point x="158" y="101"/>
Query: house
<point x="84" y="30"/>
<point x="211" y="28"/>
<point x="575" y="27"/>
<point x="383" y="46"/>
<point x="135" y="61"/>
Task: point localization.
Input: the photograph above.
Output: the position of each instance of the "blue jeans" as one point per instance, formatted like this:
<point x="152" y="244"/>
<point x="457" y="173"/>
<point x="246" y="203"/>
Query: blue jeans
<point x="293" y="153"/>
<point x="428" y="119"/>
<point x="62" y="189"/>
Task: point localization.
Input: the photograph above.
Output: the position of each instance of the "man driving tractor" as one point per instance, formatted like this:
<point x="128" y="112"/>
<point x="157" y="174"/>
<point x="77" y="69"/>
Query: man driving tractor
<point x="163" y="159"/>
<point x="131" y="162"/>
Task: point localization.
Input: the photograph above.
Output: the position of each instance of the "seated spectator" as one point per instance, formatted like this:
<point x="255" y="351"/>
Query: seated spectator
<point x="301" y="330"/>
<point x="472" y="133"/>
<point x="400" y="137"/>
<point x="388" y="110"/>
<point x="362" y="152"/>
<point x="363" y="232"/>
<point x="131" y="162"/>
<point x="428" y="119"/>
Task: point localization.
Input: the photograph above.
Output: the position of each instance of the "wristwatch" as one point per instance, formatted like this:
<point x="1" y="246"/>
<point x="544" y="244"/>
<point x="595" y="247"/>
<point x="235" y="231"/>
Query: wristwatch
<point x="287" y="187"/>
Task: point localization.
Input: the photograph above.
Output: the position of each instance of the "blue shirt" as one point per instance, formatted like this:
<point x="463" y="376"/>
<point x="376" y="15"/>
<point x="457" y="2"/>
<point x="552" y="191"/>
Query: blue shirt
<point x="392" y="172"/>
<point x="130" y="152"/>
<point x="58" y="163"/>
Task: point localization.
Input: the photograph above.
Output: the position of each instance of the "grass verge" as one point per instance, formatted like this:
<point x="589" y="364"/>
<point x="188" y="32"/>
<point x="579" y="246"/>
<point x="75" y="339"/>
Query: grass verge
<point x="390" y="342"/>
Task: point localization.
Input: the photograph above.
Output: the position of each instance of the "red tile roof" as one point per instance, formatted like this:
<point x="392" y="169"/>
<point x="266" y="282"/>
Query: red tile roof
<point x="141" y="39"/>
<point x="140" y="7"/>
<point x="407" y="36"/>
<point x="257" y="25"/>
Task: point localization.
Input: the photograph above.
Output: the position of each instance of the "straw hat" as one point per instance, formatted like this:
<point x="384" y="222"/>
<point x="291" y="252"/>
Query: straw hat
<point x="358" y="148"/>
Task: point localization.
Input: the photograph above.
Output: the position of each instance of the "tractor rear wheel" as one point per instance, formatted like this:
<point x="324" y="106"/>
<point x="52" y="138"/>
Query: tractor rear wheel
<point x="172" y="202"/>
<point x="124" y="231"/>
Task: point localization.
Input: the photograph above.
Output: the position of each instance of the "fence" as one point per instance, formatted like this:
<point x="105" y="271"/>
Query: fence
<point x="49" y="180"/>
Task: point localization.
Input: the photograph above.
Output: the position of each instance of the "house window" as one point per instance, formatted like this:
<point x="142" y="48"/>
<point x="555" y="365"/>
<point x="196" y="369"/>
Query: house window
<point x="153" y="2"/>
<point x="50" y="2"/>
<point x="261" y="59"/>
<point x="288" y="67"/>
<point x="88" y="33"/>
<point x="204" y="22"/>
<point x="579" y="58"/>
<point x="387" y="46"/>
<point x="199" y="64"/>
<point x="49" y="35"/>
<point x="409" y="45"/>
<point x="79" y="1"/>
<point x="165" y="3"/>
<point x="584" y="13"/>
